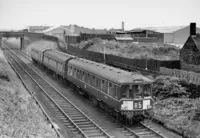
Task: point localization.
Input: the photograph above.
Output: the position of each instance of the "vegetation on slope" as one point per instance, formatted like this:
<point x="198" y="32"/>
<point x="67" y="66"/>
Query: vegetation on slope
<point x="19" y="115"/>
<point x="131" y="50"/>
<point x="173" y="107"/>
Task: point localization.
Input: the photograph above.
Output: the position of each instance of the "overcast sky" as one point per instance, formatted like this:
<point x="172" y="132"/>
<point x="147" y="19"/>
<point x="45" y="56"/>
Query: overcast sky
<point x="17" y="14"/>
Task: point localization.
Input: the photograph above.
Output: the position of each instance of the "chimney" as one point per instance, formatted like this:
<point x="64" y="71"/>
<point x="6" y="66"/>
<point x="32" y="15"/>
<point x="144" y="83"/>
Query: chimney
<point x="122" y="26"/>
<point x="192" y="29"/>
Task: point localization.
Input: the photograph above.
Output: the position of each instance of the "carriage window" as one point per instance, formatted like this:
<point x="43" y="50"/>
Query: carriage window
<point x="75" y="70"/>
<point x="117" y="90"/>
<point x="83" y="75"/>
<point x="79" y="77"/>
<point x="60" y="66"/>
<point x="104" y="88"/>
<point x="77" y="74"/>
<point x="146" y="90"/>
<point x="110" y="89"/>
<point x="124" y="93"/>
<point x="45" y="59"/>
<point x="102" y="85"/>
<point x="71" y="70"/>
<point x="93" y="81"/>
<point x="88" y="78"/>
<point x="137" y="93"/>
<point x="98" y="84"/>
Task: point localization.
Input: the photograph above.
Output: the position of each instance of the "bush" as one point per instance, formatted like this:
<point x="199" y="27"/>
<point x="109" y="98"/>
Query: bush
<point x="179" y="114"/>
<point x="166" y="86"/>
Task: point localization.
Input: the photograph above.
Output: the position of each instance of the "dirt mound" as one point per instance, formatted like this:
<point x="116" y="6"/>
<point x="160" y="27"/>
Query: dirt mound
<point x="131" y="50"/>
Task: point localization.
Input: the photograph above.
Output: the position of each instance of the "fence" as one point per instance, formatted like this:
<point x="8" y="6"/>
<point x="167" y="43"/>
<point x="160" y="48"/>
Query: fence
<point x="151" y="64"/>
<point x="187" y="76"/>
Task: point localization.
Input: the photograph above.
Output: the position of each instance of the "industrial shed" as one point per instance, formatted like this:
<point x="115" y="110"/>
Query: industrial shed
<point x="72" y="30"/>
<point x="79" y="29"/>
<point x="174" y="34"/>
<point x="58" y="31"/>
<point x="37" y="29"/>
<point x="190" y="52"/>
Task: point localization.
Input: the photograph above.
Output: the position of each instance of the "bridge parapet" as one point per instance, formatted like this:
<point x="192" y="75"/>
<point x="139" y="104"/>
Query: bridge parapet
<point x="11" y="34"/>
<point x="26" y="34"/>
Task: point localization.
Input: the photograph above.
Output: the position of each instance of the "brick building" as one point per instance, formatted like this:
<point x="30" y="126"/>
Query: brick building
<point x="190" y="52"/>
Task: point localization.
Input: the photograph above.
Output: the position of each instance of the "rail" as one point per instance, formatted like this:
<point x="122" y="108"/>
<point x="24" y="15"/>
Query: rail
<point x="76" y="116"/>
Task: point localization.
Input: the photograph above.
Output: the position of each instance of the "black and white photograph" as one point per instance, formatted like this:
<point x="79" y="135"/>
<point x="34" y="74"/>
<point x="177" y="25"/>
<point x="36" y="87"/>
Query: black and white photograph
<point x="99" y="69"/>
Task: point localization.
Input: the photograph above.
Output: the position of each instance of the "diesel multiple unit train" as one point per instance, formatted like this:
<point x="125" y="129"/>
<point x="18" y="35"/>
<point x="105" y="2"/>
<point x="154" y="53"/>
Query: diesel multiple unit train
<point x="123" y="94"/>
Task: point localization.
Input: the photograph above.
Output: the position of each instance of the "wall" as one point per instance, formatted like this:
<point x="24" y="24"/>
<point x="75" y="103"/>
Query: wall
<point x="189" y="56"/>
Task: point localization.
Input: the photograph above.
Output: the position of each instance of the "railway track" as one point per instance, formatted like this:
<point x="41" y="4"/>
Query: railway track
<point x="71" y="116"/>
<point x="140" y="130"/>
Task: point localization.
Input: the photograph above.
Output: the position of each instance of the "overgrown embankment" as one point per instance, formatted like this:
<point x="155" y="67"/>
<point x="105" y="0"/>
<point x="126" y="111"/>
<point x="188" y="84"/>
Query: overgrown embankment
<point x="173" y="107"/>
<point x="131" y="50"/>
<point x="20" y="116"/>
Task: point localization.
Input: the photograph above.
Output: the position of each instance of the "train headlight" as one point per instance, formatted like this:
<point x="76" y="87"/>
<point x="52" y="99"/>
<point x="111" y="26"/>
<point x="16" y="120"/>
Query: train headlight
<point x="146" y="104"/>
<point x="127" y="105"/>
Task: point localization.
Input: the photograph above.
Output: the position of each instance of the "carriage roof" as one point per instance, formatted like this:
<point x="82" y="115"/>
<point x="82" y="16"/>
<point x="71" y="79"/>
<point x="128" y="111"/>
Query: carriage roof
<point x="110" y="73"/>
<point x="60" y="56"/>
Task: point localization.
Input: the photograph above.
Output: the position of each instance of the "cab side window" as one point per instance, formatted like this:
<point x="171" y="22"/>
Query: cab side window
<point x="117" y="90"/>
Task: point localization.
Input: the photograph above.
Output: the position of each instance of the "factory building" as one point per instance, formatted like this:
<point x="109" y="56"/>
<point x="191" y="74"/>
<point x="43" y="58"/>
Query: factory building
<point x="174" y="34"/>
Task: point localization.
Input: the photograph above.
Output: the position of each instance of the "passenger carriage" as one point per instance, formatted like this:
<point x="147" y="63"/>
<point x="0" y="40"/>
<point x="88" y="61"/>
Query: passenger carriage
<point x="116" y="90"/>
<point x="37" y="54"/>
<point x="57" y="62"/>
<point x="125" y="92"/>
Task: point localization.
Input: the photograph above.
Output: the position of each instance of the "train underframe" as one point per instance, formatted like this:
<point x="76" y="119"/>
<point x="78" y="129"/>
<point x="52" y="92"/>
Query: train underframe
<point x="125" y="117"/>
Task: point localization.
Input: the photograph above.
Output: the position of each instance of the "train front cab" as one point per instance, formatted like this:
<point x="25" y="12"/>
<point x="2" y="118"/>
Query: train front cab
<point x="136" y="100"/>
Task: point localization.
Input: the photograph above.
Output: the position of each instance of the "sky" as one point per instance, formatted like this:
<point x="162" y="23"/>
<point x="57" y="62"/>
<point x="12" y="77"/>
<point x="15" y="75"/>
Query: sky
<point x="100" y="14"/>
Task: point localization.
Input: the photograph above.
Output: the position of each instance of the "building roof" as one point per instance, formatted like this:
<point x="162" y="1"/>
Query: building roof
<point x="79" y="29"/>
<point x="123" y="38"/>
<point x="41" y="28"/>
<point x="136" y="31"/>
<point x="166" y="29"/>
<point x="197" y="40"/>
<point x="115" y="30"/>
<point x="55" y="27"/>
<point x="58" y="55"/>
